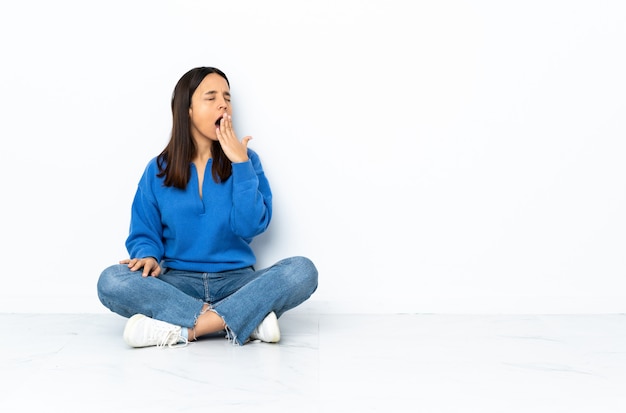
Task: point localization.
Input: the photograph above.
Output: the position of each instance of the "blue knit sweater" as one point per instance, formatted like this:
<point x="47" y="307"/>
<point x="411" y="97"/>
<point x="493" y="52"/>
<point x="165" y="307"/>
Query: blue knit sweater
<point x="209" y="234"/>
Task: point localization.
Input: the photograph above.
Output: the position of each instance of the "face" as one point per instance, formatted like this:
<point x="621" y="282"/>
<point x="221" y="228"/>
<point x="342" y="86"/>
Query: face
<point x="208" y="104"/>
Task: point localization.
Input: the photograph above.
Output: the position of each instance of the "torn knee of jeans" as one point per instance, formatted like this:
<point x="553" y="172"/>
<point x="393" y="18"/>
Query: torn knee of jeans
<point x="230" y="334"/>
<point x="205" y="308"/>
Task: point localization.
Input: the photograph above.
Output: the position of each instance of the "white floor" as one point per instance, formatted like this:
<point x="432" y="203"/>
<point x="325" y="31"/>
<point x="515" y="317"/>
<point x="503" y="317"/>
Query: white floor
<point x="324" y="363"/>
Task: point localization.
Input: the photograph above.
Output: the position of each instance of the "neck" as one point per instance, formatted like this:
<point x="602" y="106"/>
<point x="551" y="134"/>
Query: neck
<point x="203" y="152"/>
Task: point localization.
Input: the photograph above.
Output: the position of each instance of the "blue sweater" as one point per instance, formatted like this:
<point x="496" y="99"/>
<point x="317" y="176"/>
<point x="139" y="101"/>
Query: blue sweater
<point x="208" y="234"/>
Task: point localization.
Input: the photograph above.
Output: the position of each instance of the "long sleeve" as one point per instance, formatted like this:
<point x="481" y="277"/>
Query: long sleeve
<point x="252" y="199"/>
<point x="146" y="231"/>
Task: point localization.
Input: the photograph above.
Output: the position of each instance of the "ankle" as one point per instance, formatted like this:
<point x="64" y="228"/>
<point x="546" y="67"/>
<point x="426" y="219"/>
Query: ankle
<point x="191" y="335"/>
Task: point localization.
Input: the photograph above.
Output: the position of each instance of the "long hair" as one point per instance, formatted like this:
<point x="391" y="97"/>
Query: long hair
<point x="174" y="161"/>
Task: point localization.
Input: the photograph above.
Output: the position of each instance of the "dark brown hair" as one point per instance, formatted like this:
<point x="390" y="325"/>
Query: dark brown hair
<point x="174" y="161"/>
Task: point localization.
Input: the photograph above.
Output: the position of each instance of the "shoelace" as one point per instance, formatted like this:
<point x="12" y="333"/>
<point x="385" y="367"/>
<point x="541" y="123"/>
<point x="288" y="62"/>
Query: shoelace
<point x="164" y="338"/>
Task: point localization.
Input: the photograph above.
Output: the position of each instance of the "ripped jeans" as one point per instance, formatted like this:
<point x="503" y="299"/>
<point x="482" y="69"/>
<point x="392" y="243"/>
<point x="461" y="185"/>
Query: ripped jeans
<point x="241" y="297"/>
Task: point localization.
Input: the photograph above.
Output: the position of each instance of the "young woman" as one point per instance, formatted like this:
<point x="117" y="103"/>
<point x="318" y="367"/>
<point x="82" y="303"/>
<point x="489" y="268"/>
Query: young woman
<point x="198" y="206"/>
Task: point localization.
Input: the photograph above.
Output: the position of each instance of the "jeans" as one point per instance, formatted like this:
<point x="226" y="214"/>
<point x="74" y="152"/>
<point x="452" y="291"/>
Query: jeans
<point x="241" y="297"/>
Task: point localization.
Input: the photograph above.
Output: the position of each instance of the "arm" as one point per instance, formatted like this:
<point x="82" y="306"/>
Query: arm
<point x="252" y="198"/>
<point x="144" y="241"/>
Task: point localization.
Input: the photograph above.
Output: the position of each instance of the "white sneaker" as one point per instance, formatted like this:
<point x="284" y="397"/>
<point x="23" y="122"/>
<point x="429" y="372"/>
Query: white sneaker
<point x="143" y="331"/>
<point x="268" y="331"/>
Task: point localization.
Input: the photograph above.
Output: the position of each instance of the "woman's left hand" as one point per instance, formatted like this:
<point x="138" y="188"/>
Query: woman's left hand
<point x="235" y="150"/>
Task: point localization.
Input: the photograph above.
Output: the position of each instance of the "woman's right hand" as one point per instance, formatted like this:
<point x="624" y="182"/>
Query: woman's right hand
<point x="150" y="266"/>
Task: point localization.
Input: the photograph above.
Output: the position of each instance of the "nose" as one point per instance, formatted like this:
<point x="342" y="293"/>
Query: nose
<point x="223" y="104"/>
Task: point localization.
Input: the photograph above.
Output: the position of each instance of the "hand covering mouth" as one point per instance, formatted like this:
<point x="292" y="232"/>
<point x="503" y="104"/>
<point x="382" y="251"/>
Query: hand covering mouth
<point x="217" y="122"/>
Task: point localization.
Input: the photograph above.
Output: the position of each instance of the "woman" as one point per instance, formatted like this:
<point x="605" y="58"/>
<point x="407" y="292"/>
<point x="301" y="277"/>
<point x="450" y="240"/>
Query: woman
<point x="198" y="206"/>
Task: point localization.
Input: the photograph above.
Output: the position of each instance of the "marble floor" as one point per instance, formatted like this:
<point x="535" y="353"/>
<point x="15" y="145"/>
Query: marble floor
<point x="324" y="363"/>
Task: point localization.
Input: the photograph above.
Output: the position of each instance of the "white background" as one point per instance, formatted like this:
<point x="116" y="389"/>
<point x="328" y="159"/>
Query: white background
<point x="431" y="156"/>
